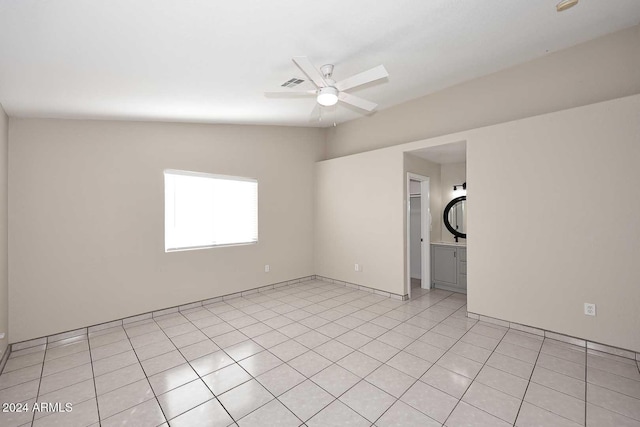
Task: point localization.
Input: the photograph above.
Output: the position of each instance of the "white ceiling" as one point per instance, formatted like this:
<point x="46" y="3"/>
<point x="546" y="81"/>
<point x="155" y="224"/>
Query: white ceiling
<point x="455" y="152"/>
<point x="211" y="61"/>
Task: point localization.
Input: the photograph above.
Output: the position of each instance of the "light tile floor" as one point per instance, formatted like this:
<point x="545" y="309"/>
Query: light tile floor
<point x="416" y="289"/>
<point x="318" y="354"/>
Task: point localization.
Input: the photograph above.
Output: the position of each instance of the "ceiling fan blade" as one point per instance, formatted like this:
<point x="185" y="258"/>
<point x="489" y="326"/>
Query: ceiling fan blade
<point x="287" y="93"/>
<point x="357" y="102"/>
<point x="365" y="77"/>
<point x="309" y="70"/>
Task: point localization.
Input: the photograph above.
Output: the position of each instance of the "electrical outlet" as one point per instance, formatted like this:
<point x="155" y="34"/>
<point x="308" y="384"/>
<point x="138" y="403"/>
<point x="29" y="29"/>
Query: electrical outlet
<point x="357" y="267"/>
<point x="267" y="268"/>
<point x="589" y="309"/>
<point x="1" y="335"/>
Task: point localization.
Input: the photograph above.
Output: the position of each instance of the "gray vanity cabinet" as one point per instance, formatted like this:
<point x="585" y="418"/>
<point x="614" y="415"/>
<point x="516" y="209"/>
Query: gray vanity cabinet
<point x="462" y="268"/>
<point x="449" y="267"/>
<point x="444" y="265"/>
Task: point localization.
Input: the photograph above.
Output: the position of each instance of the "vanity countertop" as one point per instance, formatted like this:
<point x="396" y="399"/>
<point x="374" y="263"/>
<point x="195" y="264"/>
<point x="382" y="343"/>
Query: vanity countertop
<point x="461" y="244"/>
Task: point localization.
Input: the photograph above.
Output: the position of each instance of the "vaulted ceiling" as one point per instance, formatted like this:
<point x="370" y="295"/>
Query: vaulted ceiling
<point x="212" y="61"/>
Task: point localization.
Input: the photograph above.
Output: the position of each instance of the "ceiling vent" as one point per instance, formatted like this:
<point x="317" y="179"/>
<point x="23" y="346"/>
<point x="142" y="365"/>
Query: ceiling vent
<point x="292" y="82"/>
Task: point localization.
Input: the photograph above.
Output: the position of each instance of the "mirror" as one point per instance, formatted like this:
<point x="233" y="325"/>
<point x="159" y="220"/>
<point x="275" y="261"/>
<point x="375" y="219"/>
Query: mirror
<point x="454" y="217"/>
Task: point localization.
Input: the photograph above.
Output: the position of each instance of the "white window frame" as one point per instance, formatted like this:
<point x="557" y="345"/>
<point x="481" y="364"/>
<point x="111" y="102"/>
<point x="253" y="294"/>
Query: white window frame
<point x="210" y="176"/>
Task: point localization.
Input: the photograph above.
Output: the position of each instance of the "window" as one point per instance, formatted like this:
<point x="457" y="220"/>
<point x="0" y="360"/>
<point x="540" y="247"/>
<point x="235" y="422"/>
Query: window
<point x="203" y="210"/>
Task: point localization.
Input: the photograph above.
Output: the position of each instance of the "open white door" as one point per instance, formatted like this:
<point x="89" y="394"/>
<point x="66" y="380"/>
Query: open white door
<point x="425" y="232"/>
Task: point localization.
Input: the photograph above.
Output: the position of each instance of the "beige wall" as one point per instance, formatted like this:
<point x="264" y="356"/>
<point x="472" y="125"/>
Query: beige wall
<point x="86" y="217"/>
<point x="601" y="69"/>
<point x="450" y="174"/>
<point x="553" y="221"/>
<point x="543" y="194"/>
<point x="361" y="205"/>
<point x="358" y="215"/>
<point x="4" y="278"/>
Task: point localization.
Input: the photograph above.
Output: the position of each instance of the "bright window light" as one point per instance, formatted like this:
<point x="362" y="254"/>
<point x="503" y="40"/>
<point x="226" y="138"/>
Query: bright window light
<point x="203" y="210"/>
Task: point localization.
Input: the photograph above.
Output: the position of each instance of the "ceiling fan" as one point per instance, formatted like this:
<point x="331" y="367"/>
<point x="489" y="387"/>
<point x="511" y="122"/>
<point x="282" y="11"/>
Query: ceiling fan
<point x="328" y="91"/>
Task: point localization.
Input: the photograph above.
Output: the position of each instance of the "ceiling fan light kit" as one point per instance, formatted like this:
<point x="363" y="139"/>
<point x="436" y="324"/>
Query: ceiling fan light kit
<point x="327" y="96"/>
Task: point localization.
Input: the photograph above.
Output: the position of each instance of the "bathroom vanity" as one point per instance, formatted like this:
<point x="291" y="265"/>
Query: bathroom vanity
<point x="449" y="266"/>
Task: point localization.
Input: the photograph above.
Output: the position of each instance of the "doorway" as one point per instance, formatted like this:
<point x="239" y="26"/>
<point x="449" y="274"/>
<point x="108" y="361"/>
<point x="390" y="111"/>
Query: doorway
<point x="446" y="167"/>
<point x="418" y="235"/>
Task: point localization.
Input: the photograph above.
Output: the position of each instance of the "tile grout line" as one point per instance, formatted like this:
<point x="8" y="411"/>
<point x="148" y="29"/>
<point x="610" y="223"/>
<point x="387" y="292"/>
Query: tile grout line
<point x="60" y="371"/>
<point x="586" y="381"/>
<point x="77" y="403"/>
<point x="602" y="386"/>
<point x="529" y="382"/>
<point x="44" y="358"/>
<point x="335" y="363"/>
<point x="308" y="349"/>
<point x="550" y="370"/>
<point x="252" y="378"/>
<point x="531" y="376"/>
<point x="611" y="389"/>
<point x="397" y="399"/>
<point x="434" y="363"/>
<point x="586" y="385"/>
<point x="145" y="377"/>
<point x="569" y="395"/>
<point x="235" y="362"/>
<point x="334" y="399"/>
<point x="362" y="379"/>
<point x="188" y="363"/>
<point x="558" y="391"/>
<point x="93" y="378"/>
<point x="616" y="412"/>
<point x="609" y="372"/>
<point x="476" y="376"/>
<point x="55" y="373"/>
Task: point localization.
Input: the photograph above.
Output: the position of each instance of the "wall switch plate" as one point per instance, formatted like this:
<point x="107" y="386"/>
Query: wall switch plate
<point x="357" y="267"/>
<point x="1" y="335"/>
<point x="267" y="268"/>
<point x="589" y="309"/>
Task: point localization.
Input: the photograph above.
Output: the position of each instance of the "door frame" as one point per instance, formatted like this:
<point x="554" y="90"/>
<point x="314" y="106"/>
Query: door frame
<point x="425" y="231"/>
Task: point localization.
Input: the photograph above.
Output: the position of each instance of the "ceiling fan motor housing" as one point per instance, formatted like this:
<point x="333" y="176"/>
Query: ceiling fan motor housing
<point x="327" y="70"/>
